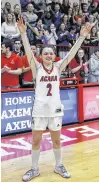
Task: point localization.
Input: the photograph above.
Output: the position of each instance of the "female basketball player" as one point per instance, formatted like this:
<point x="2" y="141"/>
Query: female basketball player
<point x="47" y="108"/>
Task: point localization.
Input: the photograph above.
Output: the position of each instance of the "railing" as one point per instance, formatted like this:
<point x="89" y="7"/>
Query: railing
<point x="61" y="47"/>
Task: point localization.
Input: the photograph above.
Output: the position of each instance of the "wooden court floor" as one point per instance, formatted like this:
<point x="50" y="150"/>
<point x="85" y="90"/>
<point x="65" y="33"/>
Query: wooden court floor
<point x="81" y="160"/>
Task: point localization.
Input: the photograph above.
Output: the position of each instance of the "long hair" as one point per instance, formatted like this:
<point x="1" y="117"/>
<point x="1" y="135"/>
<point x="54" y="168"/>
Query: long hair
<point x="13" y="18"/>
<point x="48" y="46"/>
<point x="77" y="57"/>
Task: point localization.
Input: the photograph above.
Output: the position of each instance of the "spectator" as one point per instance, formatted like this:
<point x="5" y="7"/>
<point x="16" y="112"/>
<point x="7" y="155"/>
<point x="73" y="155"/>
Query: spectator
<point x="85" y="11"/>
<point x="65" y="6"/>
<point x="24" y="4"/>
<point x="66" y="22"/>
<point x="51" y="35"/>
<point x="9" y="29"/>
<point x="34" y="50"/>
<point x="30" y="17"/>
<point x="59" y="12"/>
<point x="94" y="67"/>
<point x="77" y="66"/>
<point x="7" y="9"/>
<point x="39" y="8"/>
<point x="78" y="25"/>
<point x="39" y="25"/>
<point x="70" y="13"/>
<point x="71" y="36"/>
<point x="94" y="37"/>
<point x="91" y="18"/>
<point x="2" y="14"/>
<point x="97" y="24"/>
<point x="43" y="37"/>
<point x="18" y="48"/>
<point x="11" y="67"/>
<point x="40" y="4"/>
<point x="52" y="3"/>
<point x="47" y="18"/>
<point x="28" y="76"/>
<point x="62" y="35"/>
<point x="75" y="8"/>
<point x="80" y="16"/>
<point x="17" y="11"/>
<point x="57" y="16"/>
<point x="94" y="7"/>
<point x="41" y="29"/>
<point x="62" y="40"/>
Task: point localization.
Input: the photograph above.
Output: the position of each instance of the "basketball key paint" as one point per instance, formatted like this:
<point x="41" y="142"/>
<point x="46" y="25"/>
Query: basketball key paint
<point x="20" y="145"/>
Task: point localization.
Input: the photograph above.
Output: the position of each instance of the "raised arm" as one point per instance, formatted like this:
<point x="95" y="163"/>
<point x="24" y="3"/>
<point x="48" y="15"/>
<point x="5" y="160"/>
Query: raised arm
<point x="29" y="53"/>
<point x="83" y="33"/>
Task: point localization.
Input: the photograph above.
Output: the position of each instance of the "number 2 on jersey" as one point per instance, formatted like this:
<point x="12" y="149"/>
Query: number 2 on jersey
<point x="49" y="86"/>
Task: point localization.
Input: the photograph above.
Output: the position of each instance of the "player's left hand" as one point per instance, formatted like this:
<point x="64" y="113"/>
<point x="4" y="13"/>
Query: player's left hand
<point x="86" y="29"/>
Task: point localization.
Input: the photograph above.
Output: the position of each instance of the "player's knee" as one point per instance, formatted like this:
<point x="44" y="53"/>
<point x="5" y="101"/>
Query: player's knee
<point x="56" y="143"/>
<point x="36" y="141"/>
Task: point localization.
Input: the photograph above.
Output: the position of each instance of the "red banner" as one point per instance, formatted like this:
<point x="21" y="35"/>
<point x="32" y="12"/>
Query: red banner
<point x="91" y="102"/>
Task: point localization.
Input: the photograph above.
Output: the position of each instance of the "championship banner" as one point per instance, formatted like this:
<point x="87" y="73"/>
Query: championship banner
<point x="91" y="102"/>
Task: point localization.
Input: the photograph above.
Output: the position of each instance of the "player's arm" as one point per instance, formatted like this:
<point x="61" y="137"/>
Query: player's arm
<point x="83" y="33"/>
<point x="30" y="55"/>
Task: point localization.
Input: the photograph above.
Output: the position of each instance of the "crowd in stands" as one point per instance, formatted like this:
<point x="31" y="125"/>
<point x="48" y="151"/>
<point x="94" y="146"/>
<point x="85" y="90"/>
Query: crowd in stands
<point x="52" y="22"/>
